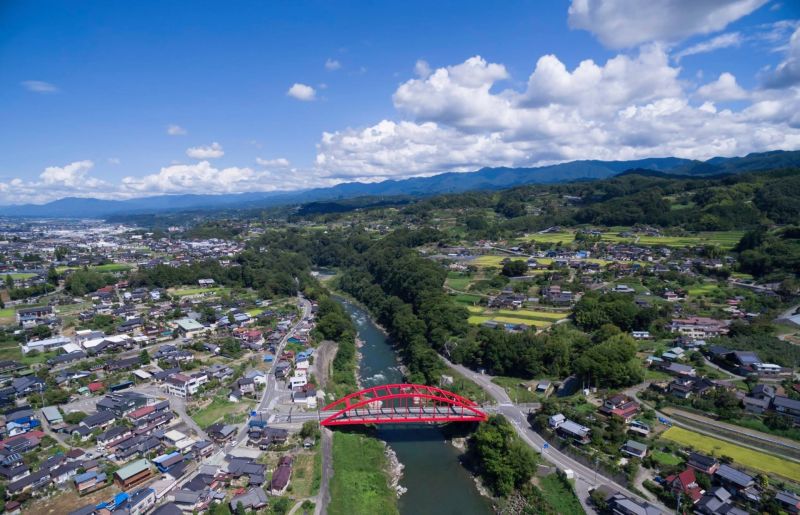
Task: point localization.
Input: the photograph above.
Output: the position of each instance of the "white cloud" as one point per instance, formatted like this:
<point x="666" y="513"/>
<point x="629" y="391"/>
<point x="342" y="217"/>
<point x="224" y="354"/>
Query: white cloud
<point x="731" y="39"/>
<point x="628" y="23"/>
<point x="212" y="151"/>
<point x="280" y="162"/>
<point x="70" y="180"/>
<point x="302" y="92"/>
<point x="422" y="69"/>
<point x="175" y="130"/>
<point x="113" y="160"/>
<point x="332" y="64"/>
<point x="627" y="108"/>
<point x="203" y="177"/>
<point x="787" y="73"/>
<point x="722" y="89"/>
<point x="38" y="86"/>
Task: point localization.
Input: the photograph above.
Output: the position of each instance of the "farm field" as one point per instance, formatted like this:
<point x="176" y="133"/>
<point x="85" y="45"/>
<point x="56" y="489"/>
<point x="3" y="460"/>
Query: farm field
<point x="551" y="237"/>
<point x="529" y="317"/>
<point x="496" y="261"/>
<point x="110" y="267"/>
<point x="702" y="289"/>
<point x="748" y="458"/>
<point x="458" y="281"/>
<point x="220" y="408"/>
<point x="725" y="239"/>
<point x="19" y="276"/>
<point x="182" y="292"/>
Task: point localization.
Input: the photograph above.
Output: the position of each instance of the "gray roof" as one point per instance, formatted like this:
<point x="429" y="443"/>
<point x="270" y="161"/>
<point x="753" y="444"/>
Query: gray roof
<point x="633" y="444"/>
<point x="734" y="476"/>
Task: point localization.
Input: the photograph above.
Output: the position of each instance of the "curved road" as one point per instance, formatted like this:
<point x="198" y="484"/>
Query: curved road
<point x="586" y="479"/>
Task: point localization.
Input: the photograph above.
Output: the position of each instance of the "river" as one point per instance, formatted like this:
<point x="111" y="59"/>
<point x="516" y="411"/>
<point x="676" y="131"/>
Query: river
<point x="436" y="481"/>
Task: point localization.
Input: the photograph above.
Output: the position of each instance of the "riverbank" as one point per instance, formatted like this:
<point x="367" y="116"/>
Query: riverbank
<point x="361" y="480"/>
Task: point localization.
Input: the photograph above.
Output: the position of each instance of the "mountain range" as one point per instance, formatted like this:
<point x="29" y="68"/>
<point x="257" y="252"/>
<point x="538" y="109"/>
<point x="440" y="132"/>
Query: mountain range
<point x="448" y="182"/>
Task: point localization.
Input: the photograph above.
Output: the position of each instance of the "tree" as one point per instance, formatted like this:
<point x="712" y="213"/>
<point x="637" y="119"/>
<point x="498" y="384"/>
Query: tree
<point x="310" y="429"/>
<point x="75" y="417"/>
<point x="612" y="363"/>
<point x="144" y="357"/>
<point x="505" y="461"/>
<point x="9" y="282"/>
<point x="240" y="508"/>
<point x="515" y="268"/>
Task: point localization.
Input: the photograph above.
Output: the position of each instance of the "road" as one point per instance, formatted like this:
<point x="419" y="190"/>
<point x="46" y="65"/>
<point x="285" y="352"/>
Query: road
<point x="324" y="495"/>
<point x="586" y="479"/>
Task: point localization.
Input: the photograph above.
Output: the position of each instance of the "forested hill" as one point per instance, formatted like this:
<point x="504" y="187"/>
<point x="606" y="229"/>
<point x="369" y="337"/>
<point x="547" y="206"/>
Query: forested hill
<point x="450" y="182"/>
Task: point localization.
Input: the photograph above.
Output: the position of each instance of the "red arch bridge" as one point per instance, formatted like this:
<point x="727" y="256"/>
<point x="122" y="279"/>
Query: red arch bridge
<point x="401" y="404"/>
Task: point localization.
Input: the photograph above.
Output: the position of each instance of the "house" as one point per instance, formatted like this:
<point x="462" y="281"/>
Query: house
<point x="132" y="474"/>
<point x="52" y="415"/>
<point x="635" y="449"/>
<point x="755" y="405"/>
<point x="99" y="420"/>
<point x="24" y="386"/>
<point x="620" y="504"/>
<point x="678" y="369"/>
<point x="64" y="473"/>
<point x="140" y="502"/>
<point x="685" y="483"/>
<point x="189" y="328"/>
<point x="35" y="480"/>
<point x="113" y="436"/>
<point x="183" y="386"/>
<point x="281" y="476"/>
<point x="685" y="387"/>
<point x="787" y="406"/>
<point x="737" y="479"/>
<point x="89" y="482"/>
<point x="789" y="501"/>
<point x="544" y="388"/>
<point x="574" y="431"/>
<point x="253" y="499"/>
<point x="698" y="328"/>
<point x="121" y="403"/>
<point x="220" y="432"/>
<point x="620" y="406"/>
<point x="166" y="462"/>
<point x="717" y="502"/>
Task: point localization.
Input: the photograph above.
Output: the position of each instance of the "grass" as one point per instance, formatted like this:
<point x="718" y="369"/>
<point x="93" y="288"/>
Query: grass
<point x="303" y="475"/>
<point x="182" y="292"/>
<point x="552" y="237"/>
<point x="458" y="281"/>
<point x="665" y="458"/>
<point x="743" y="456"/>
<point x="703" y="289"/>
<point x="7" y="313"/>
<point x="254" y="312"/>
<point x="513" y="386"/>
<point x="109" y="267"/>
<point x="520" y="320"/>
<point x="361" y="483"/>
<point x="468" y="300"/>
<point x="559" y="495"/>
<point x="478" y="319"/>
<point x="17" y="277"/>
<point x="539" y="319"/>
<point x="217" y="410"/>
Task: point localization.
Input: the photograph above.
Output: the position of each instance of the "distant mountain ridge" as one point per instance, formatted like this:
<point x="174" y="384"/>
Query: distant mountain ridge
<point x="448" y="182"/>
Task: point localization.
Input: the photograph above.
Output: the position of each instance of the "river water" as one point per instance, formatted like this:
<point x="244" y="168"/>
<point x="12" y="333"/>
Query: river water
<point x="436" y="482"/>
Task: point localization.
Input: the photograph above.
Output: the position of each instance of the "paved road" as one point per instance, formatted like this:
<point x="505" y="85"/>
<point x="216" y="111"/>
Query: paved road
<point x="586" y="479"/>
<point x="324" y="495"/>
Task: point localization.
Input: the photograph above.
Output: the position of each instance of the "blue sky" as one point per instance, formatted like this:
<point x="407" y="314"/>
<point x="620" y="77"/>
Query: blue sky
<point x="286" y="95"/>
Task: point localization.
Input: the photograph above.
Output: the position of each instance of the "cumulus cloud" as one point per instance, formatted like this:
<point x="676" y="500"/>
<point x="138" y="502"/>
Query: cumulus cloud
<point x="70" y="180"/>
<point x="457" y="119"/>
<point x="628" y="23"/>
<point x="175" y="130"/>
<point x="302" y="92"/>
<point x="212" y="151"/>
<point x="39" y="86"/>
<point x="787" y="73"/>
<point x="280" y="162"/>
<point x="332" y="64"/>
<point x="731" y="39"/>
<point x="722" y="89"/>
